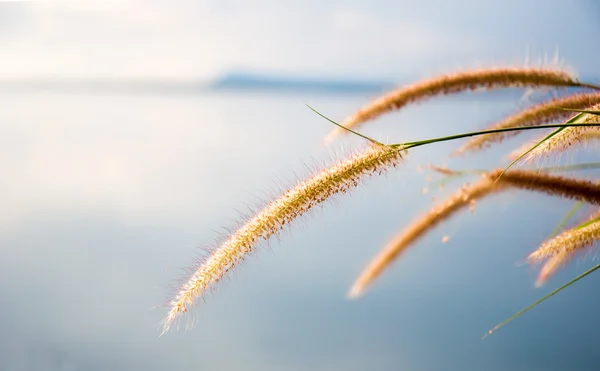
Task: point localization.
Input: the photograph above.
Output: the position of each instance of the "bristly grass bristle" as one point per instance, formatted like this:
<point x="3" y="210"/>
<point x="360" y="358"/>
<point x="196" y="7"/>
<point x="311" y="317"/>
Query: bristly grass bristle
<point x="298" y="200"/>
<point x="539" y="114"/>
<point x="489" y="183"/>
<point x="487" y="79"/>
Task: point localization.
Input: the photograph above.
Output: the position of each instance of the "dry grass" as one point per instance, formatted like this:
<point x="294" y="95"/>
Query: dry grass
<point x="560" y="249"/>
<point x="488" y="79"/>
<point x="376" y="158"/>
<point x="489" y="183"/>
<point x="539" y="114"/>
<point x="563" y="140"/>
<point x="298" y="200"/>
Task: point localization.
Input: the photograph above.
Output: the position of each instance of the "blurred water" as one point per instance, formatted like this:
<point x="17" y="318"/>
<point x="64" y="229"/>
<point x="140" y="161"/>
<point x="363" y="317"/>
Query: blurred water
<point x="106" y="197"/>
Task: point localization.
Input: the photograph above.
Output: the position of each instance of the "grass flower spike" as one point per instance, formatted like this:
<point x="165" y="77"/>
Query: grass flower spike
<point x="419" y="228"/>
<point x="561" y="248"/>
<point x="492" y="78"/>
<point x="489" y="183"/>
<point x="565" y="245"/>
<point x="339" y="178"/>
<point x="540" y="114"/>
<point x="567" y="137"/>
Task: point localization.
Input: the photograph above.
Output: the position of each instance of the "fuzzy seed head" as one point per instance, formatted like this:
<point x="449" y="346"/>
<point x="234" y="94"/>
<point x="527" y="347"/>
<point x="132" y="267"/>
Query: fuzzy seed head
<point x="567" y="137"/>
<point x="540" y="114"/>
<point x="339" y="178"/>
<point x="488" y="184"/>
<point x="487" y="79"/>
<point x="419" y="228"/>
<point x="570" y="241"/>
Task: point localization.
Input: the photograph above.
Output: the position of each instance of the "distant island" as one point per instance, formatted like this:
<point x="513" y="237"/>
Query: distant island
<point x="232" y="81"/>
<point x="238" y="81"/>
<point x="264" y="81"/>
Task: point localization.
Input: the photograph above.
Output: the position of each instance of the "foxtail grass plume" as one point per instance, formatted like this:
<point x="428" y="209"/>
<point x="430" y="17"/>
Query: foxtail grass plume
<point x="563" y="247"/>
<point x="586" y="136"/>
<point x="488" y="79"/>
<point x="569" y="240"/>
<point x="419" y="228"/>
<point x="339" y="178"/>
<point x="539" y="114"/>
<point x="488" y="183"/>
<point x="565" y="138"/>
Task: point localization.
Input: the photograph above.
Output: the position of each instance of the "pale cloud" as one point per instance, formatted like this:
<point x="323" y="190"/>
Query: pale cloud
<point x="197" y="39"/>
<point x="130" y="38"/>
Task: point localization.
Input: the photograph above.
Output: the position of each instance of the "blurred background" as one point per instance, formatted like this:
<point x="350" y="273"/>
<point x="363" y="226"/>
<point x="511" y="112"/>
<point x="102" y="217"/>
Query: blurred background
<point x="134" y="134"/>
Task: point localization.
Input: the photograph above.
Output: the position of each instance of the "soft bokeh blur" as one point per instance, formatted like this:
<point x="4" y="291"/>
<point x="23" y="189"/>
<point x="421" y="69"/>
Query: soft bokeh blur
<point x="134" y="134"/>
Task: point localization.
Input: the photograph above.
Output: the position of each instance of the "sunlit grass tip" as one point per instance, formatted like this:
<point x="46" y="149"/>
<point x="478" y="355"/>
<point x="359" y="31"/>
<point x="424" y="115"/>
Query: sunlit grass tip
<point x="488" y="183"/>
<point x="558" y="250"/>
<point x="418" y="229"/>
<point x="488" y="79"/>
<point x="565" y="138"/>
<point x="339" y="178"/>
<point x="539" y="114"/>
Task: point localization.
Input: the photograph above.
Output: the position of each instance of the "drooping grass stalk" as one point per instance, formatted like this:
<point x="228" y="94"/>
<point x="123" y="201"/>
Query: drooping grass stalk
<point x="418" y="229"/>
<point x="339" y="178"/>
<point x="489" y="183"/>
<point x="542" y="113"/>
<point x="488" y="79"/>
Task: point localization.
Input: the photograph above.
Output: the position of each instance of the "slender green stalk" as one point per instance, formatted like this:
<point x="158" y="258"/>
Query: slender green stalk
<point x="542" y="300"/>
<point x="409" y="145"/>
<point x="343" y="127"/>
<point x="589" y="222"/>
<point x="419" y="143"/>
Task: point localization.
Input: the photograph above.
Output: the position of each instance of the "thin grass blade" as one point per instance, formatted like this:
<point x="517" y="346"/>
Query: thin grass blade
<point x="542" y="300"/>
<point x="345" y="128"/>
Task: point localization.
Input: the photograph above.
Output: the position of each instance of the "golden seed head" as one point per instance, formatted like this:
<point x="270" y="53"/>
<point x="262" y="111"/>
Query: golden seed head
<point x="569" y="241"/>
<point x="339" y="178"/>
<point x="488" y="79"/>
<point x="488" y="184"/>
<point x="540" y="114"/>
<point x="566" y="137"/>
<point x="419" y="228"/>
